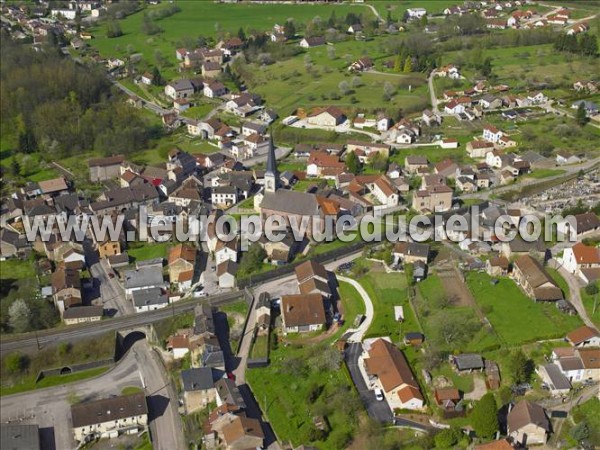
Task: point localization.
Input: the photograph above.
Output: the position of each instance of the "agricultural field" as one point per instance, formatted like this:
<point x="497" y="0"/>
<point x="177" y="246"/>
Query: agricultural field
<point x="521" y="67"/>
<point x="209" y="19"/>
<point x="288" y="85"/>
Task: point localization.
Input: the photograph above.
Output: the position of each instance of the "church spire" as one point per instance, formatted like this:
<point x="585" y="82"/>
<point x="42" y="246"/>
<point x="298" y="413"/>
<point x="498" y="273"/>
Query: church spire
<point x="271" y="174"/>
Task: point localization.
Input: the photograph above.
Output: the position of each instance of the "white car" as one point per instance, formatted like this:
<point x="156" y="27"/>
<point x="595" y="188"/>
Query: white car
<point x="379" y="395"/>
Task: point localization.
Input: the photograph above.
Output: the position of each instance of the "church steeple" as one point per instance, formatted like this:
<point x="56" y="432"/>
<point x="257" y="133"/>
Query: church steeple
<point x="271" y="174"/>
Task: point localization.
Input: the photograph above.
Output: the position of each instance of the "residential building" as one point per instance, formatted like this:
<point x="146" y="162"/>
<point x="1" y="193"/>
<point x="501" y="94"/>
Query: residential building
<point x="149" y="299"/>
<point x="312" y="42"/>
<point x="434" y="199"/>
<point x="302" y="313"/>
<point x="109" y="417"/>
<point x="534" y="280"/>
<point x="102" y="169"/>
<point x="66" y="289"/>
<point x="528" y="424"/>
<point x="581" y="256"/>
<point x="326" y="117"/>
<point x="468" y="362"/>
<point x="410" y="252"/>
<point x="393" y="375"/>
<point x="179" y="89"/>
<point x="584" y="337"/>
<point x="198" y="388"/>
<point x="143" y="278"/>
<point x="82" y="314"/>
<point x="16" y="436"/>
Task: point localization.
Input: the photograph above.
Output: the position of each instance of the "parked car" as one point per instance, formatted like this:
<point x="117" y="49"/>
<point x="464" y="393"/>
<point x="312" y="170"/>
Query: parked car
<point x="379" y="395"/>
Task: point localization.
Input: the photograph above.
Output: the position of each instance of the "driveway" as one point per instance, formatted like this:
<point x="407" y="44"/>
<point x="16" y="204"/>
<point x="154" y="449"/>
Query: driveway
<point x="379" y="411"/>
<point x="358" y="333"/>
<point x="574" y="293"/>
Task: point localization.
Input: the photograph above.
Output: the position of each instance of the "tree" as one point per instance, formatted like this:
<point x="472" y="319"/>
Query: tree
<point x="15" y="167"/>
<point x="331" y="52"/>
<point x="424" y="21"/>
<point x="581" y="115"/>
<point x="389" y="19"/>
<point x="521" y="367"/>
<point x="149" y="27"/>
<point x="15" y="362"/>
<point x="486" y="67"/>
<point x="356" y="82"/>
<point x="408" y="65"/>
<point x="157" y="79"/>
<point x="252" y="260"/>
<point x="352" y="163"/>
<point x="591" y="289"/>
<point x="19" y="316"/>
<point x="241" y="34"/>
<point x="379" y="162"/>
<point x="484" y="417"/>
<point x="398" y="63"/>
<point x="113" y="29"/>
<point x="344" y="87"/>
<point x="388" y="90"/>
<point x="331" y="23"/>
<point x="448" y="438"/>
<point x="290" y="30"/>
<point x="580" y="432"/>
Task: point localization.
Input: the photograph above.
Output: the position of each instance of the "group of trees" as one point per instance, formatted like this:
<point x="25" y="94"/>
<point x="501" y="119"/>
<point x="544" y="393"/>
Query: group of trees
<point x="586" y="44"/>
<point x="59" y="108"/>
<point x="22" y="311"/>
<point x="413" y="54"/>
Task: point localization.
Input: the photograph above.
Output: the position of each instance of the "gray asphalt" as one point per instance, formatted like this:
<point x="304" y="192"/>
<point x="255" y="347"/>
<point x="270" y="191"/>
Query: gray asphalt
<point x="50" y="408"/>
<point x="377" y="410"/>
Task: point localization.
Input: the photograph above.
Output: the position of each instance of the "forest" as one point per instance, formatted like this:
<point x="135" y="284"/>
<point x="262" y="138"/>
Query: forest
<point x="54" y="106"/>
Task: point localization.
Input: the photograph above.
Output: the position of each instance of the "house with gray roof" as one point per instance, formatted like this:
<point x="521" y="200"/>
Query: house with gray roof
<point x="16" y="436"/>
<point x="143" y="278"/>
<point x="468" y="362"/>
<point x="149" y="299"/>
<point x="199" y="387"/>
<point x="555" y="380"/>
<point x="228" y="393"/>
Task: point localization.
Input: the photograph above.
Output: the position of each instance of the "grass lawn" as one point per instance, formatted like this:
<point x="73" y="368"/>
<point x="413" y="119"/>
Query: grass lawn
<point x="545" y="173"/>
<point x="463" y="383"/>
<point x="128" y="390"/>
<point x="588" y="302"/>
<point x="145" y="250"/>
<point x="29" y="384"/>
<point x="515" y="317"/>
<point x="560" y="281"/>
<point x="239" y="307"/>
<point x="301" y="383"/>
<point x="16" y="269"/>
<point x="260" y="347"/>
<point x="386" y="291"/>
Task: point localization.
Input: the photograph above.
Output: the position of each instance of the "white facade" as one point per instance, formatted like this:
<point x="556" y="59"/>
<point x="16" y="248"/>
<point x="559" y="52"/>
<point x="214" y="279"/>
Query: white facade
<point x="224" y="254"/>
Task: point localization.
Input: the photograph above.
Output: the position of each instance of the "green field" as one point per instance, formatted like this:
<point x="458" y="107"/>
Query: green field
<point x="29" y="384"/>
<point x="18" y="269"/>
<point x="387" y="291"/>
<point x="145" y="250"/>
<point x="515" y="317"/>
<point x="589" y="301"/>
<point x="287" y="85"/>
<point x="287" y="388"/>
<point x="209" y="19"/>
<point x="519" y="67"/>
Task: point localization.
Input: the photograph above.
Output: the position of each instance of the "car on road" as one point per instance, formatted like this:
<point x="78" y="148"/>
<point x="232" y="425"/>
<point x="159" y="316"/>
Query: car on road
<point x="379" y="395"/>
<point x="111" y="275"/>
<point x="231" y="376"/>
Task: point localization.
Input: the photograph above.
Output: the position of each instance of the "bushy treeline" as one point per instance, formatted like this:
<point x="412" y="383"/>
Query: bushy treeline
<point x="586" y="44"/>
<point x="59" y="108"/>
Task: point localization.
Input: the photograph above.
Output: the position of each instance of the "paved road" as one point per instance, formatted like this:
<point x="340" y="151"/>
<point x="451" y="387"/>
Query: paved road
<point x="166" y="428"/>
<point x="358" y="333"/>
<point x="50" y="408"/>
<point x="379" y="411"/>
<point x="574" y="293"/>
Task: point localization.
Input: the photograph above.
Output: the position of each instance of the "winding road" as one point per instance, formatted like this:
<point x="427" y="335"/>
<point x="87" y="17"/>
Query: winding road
<point x="358" y="333"/>
<point x="50" y="408"/>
